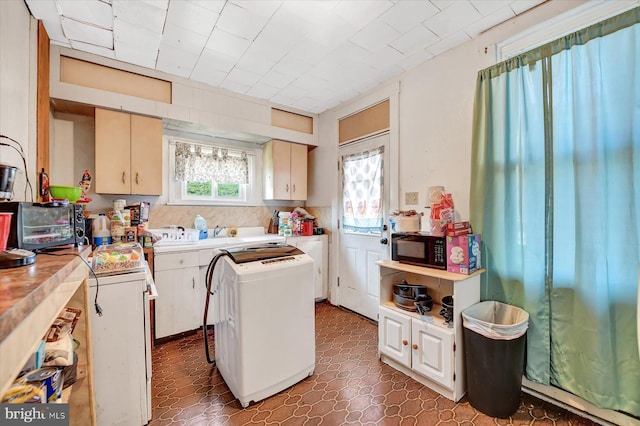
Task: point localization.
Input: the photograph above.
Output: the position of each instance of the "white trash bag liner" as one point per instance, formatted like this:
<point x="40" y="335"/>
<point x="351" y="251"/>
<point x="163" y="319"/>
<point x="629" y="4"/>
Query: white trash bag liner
<point x="496" y="320"/>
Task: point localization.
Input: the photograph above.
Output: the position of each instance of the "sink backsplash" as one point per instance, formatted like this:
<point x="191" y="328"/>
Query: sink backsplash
<point x="162" y="215"/>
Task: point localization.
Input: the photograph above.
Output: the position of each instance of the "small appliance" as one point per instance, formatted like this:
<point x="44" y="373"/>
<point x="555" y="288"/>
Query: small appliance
<point x="418" y="248"/>
<point x="43" y="225"/>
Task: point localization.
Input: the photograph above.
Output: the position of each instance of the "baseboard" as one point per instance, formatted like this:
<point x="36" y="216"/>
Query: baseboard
<point x="577" y="405"/>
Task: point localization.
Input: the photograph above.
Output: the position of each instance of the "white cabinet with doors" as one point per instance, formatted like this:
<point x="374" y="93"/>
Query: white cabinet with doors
<point x="284" y="171"/>
<point x="177" y="279"/>
<point x="425" y="347"/>
<point x="128" y="153"/>
<point x="316" y="246"/>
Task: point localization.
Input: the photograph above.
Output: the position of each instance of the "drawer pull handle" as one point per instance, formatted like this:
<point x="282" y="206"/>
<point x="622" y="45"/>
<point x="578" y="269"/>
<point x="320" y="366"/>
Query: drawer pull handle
<point x="137" y="178"/>
<point x="415" y="346"/>
<point x="124" y="177"/>
<point x="286" y="189"/>
<point x="193" y="280"/>
<point x="404" y="342"/>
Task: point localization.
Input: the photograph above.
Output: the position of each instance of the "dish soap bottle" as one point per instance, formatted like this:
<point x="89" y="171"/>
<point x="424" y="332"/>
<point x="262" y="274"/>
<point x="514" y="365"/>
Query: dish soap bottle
<point x="201" y="225"/>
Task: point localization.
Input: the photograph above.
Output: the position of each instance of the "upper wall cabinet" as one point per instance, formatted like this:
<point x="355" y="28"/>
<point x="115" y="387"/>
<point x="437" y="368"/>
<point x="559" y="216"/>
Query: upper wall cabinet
<point x="285" y="171"/>
<point x="128" y="153"/>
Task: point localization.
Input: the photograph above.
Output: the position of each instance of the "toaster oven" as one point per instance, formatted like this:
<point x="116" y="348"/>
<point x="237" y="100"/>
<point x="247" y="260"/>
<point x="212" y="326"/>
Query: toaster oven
<point x="42" y="225"/>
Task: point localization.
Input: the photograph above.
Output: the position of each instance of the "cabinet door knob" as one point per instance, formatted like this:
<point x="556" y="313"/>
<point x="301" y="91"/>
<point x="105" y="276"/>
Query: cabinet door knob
<point x="286" y="189"/>
<point x="193" y="285"/>
<point x="404" y="342"/>
<point x="124" y="177"/>
<point x="415" y="346"/>
<point x="137" y="178"/>
<point x="294" y="187"/>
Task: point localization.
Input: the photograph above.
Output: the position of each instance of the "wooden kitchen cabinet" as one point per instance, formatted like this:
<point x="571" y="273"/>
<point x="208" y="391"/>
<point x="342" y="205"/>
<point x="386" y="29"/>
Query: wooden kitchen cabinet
<point x="424" y="347"/>
<point x="284" y="171"/>
<point x="128" y="153"/>
<point x="177" y="279"/>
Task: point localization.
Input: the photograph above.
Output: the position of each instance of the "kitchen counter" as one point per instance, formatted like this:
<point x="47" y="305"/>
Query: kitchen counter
<point x="22" y="289"/>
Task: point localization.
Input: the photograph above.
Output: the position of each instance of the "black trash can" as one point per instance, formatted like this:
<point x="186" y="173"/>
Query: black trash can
<point x="494" y="347"/>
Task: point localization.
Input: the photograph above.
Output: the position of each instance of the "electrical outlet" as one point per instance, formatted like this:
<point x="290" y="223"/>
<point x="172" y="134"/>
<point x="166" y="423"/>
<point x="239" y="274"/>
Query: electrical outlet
<point x="411" y="198"/>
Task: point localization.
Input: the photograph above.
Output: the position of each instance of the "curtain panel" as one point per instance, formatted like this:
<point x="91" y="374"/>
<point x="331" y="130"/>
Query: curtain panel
<point x="362" y="191"/>
<point x="556" y="195"/>
<point x="203" y="163"/>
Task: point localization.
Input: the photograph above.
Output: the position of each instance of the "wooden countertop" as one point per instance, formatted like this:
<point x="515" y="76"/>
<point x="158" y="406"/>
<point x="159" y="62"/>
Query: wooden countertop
<point x="24" y="288"/>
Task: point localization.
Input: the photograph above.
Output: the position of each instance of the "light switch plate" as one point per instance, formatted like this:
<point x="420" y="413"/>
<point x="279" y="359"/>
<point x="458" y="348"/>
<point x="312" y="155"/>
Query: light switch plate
<point x="411" y="198"/>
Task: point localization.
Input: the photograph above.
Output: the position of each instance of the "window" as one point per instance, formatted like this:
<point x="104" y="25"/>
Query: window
<point x="215" y="175"/>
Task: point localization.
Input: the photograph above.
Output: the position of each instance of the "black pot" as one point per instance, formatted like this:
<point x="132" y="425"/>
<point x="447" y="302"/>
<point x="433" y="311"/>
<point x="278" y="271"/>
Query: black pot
<point x="410" y="291"/>
<point x="447" y="310"/>
<point x="7" y="176"/>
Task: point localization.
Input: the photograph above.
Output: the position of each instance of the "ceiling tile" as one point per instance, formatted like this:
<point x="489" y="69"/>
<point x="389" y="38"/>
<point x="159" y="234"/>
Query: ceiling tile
<point x="360" y="13"/>
<point x="235" y="87"/>
<point x="265" y="8"/>
<point x="160" y="4"/>
<point x="269" y="48"/>
<point x="54" y="29"/>
<point x="277" y="79"/>
<point x="92" y="12"/>
<point x="418" y="38"/>
<point x="332" y="33"/>
<point x="443" y="4"/>
<point x="405" y="15"/>
<point x="143" y="15"/>
<point x="241" y="22"/>
<point x="213" y="60"/>
<point x="375" y="36"/>
<point x="455" y="17"/>
<point x="176" y="61"/>
<point x="314" y="11"/>
<point x="75" y="30"/>
<point x="449" y="43"/>
<point x="498" y="16"/>
<point x="229" y="44"/>
<point x="189" y="15"/>
<point x="213" y="5"/>
<point x="285" y="27"/>
<point x="304" y="82"/>
<point x="485" y="7"/>
<point x="98" y="50"/>
<point x="262" y="91"/>
<point x="131" y="54"/>
<point x="135" y="35"/>
<point x="43" y="9"/>
<point x="181" y="38"/>
<point x="383" y="57"/>
<point x="207" y="74"/>
<point x="520" y="6"/>
<point x="309" y="51"/>
<point x="244" y="77"/>
<point x="290" y="65"/>
<point x="347" y="53"/>
<point x="415" y="59"/>
<point x="252" y="60"/>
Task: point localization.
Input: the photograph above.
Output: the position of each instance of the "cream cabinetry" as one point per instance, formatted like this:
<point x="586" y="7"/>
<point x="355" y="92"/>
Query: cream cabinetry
<point x="128" y="153"/>
<point x="177" y="279"/>
<point x="316" y="246"/>
<point x="425" y="347"/>
<point x="284" y="171"/>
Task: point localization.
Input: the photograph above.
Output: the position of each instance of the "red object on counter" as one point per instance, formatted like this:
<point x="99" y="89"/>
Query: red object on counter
<point x="306" y="228"/>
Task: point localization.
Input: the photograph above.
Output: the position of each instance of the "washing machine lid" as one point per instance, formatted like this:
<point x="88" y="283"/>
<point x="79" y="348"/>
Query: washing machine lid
<point x="260" y="252"/>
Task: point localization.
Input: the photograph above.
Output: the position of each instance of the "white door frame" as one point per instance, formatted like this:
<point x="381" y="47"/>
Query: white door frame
<point x="391" y="92"/>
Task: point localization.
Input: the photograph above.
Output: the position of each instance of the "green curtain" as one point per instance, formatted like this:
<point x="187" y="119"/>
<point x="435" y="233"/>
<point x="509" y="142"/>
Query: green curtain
<point x="556" y="195"/>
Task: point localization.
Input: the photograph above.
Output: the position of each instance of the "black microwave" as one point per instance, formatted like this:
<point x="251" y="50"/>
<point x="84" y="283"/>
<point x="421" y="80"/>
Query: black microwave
<point x="417" y="248"/>
<point x="41" y="225"/>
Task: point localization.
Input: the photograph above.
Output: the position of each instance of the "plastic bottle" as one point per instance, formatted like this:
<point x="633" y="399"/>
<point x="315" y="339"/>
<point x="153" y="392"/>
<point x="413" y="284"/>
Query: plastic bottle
<point x="284" y="225"/>
<point x="201" y="225"/>
<point x="100" y="230"/>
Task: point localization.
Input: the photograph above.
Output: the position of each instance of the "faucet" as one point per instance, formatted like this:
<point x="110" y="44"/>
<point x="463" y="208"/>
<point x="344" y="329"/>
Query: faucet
<point x="217" y="230"/>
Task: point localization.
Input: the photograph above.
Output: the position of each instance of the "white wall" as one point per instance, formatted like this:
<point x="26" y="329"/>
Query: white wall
<point x="18" y="91"/>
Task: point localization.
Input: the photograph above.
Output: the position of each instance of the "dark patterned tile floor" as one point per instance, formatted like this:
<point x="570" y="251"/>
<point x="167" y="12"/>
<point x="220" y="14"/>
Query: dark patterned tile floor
<point x="349" y="386"/>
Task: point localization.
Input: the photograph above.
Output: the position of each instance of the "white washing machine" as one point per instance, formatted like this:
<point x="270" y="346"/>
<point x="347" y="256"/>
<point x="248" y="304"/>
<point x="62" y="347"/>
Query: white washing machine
<point x="265" y="327"/>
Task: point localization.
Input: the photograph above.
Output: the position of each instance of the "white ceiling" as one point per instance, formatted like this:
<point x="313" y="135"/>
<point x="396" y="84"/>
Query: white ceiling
<point x="307" y="54"/>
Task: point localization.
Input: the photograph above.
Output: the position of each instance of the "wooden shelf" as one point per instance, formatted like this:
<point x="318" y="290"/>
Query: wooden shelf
<point x="429" y="272"/>
<point x="432" y="317"/>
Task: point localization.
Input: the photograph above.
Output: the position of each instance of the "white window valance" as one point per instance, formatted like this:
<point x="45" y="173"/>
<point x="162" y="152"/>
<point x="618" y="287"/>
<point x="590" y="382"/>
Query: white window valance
<point x="205" y="163"/>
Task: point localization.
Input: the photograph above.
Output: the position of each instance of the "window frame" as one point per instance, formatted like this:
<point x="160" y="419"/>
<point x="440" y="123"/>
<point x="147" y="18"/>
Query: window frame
<point x="252" y="191"/>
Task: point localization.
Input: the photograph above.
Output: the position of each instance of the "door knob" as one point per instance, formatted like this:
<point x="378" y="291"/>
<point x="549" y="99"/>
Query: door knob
<point x="384" y="240"/>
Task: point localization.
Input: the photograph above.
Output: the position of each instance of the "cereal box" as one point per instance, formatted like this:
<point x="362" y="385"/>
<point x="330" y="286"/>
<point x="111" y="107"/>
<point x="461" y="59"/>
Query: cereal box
<point x="463" y="253"/>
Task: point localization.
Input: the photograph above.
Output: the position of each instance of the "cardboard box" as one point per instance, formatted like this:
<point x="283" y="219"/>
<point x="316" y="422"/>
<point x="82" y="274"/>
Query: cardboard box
<point x="463" y="253"/>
